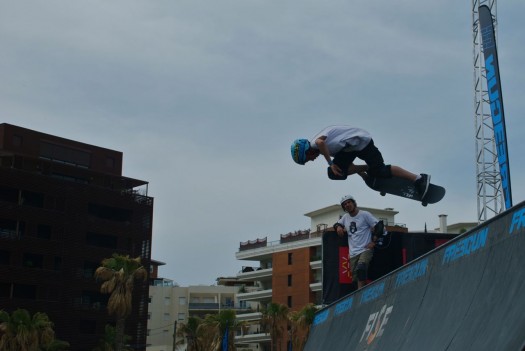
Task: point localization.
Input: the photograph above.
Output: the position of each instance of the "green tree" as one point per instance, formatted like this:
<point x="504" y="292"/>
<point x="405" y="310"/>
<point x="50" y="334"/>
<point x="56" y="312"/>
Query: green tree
<point x="56" y="345"/>
<point x="119" y="274"/>
<point x="193" y="333"/>
<point x="107" y="343"/>
<point x="301" y="322"/>
<point x="274" y="321"/>
<point x="218" y="323"/>
<point x="21" y="332"/>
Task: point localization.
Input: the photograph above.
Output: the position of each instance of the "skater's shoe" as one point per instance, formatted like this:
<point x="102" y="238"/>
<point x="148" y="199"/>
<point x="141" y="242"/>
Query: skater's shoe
<point x="422" y="184"/>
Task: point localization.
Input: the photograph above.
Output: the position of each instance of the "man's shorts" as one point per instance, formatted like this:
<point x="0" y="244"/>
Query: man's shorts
<point x="365" y="257"/>
<point x="372" y="157"/>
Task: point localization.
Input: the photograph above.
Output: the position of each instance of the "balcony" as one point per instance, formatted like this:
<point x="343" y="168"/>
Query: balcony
<point x="253" y="316"/>
<point x="252" y="338"/>
<point x="316" y="264"/>
<point x="215" y="306"/>
<point x="255" y="295"/>
<point x="318" y="286"/>
<point x="255" y="274"/>
<point x="210" y="306"/>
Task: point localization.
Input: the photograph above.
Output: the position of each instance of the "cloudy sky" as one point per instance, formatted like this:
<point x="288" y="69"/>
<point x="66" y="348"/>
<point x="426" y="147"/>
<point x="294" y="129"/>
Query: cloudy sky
<point x="205" y="97"/>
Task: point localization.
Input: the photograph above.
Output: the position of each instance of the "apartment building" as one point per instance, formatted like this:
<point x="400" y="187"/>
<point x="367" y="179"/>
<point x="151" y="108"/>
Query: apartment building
<point x="65" y="206"/>
<point x="171" y="305"/>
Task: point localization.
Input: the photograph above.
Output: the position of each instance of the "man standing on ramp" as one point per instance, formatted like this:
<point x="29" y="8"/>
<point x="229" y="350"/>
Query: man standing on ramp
<point x="359" y="226"/>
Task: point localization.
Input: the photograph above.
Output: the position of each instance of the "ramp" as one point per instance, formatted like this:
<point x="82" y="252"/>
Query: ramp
<point x="465" y="295"/>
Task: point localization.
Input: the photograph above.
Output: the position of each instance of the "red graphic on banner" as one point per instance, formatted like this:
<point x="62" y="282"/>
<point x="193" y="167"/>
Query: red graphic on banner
<point x="345" y="271"/>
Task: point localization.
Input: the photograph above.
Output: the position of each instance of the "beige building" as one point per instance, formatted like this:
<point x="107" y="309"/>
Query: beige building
<point x="170" y="305"/>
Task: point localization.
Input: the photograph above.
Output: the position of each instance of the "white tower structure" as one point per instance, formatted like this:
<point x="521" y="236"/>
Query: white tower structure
<point x="490" y="195"/>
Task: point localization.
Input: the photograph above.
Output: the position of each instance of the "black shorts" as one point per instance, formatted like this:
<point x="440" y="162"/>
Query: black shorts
<point x="372" y="157"/>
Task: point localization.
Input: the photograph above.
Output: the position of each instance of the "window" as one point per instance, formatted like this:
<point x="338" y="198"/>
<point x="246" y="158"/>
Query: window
<point x="5" y="290"/>
<point x="17" y="140"/>
<point x="30" y="198"/>
<point x="110" y="162"/>
<point x="33" y="260"/>
<point x="182" y="301"/>
<point x="181" y="316"/>
<point x="101" y="240"/>
<point x="64" y="154"/>
<point x="289" y="280"/>
<point x="289" y="301"/>
<point x="57" y="263"/>
<point x="43" y="231"/>
<point x="110" y="213"/>
<point x="290" y="258"/>
<point x="5" y="257"/>
<point x="24" y="291"/>
<point x="166" y="317"/>
<point x="167" y="301"/>
<point x="89" y="269"/>
<point x="8" y="194"/>
<point x="87" y="327"/>
<point x="11" y="229"/>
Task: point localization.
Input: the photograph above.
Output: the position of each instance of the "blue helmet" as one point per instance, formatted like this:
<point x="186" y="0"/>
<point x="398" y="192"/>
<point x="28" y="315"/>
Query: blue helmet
<point x="299" y="149"/>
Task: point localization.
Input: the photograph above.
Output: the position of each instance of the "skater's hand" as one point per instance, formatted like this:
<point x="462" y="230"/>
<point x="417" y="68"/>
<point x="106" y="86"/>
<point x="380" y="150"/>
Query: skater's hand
<point x="337" y="171"/>
<point x="340" y="231"/>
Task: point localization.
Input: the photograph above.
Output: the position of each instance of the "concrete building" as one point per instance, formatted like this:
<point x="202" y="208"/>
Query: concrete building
<point x="171" y="305"/>
<point x="65" y="206"/>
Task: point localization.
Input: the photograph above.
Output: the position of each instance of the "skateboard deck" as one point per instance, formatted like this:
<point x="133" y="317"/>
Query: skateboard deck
<point x="405" y="188"/>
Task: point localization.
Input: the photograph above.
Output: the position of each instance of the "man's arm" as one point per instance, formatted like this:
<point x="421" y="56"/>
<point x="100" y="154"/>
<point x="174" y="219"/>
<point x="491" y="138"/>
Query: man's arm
<point x="323" y="149"/>
<point x="340" y="229"/>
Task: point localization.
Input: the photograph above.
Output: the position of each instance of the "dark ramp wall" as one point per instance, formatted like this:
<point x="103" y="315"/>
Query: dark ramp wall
<point x="465" y="295"/>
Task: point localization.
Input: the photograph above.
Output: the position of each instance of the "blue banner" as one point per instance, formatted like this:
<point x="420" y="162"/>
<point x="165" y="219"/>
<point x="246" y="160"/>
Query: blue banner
<point x="496" y="99"/>
<point x="225" y="340"/>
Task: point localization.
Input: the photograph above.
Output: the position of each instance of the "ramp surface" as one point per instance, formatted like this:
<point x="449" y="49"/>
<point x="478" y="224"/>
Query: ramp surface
<point x="466" y="295"/>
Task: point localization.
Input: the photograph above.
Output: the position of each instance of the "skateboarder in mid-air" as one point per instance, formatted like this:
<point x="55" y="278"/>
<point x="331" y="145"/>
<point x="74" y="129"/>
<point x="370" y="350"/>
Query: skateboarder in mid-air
<point x="344" y="144"/>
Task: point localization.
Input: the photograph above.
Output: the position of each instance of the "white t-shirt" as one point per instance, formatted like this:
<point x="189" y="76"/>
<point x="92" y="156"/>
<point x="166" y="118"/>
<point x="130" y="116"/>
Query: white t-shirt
<point x="343" y="137"/>
<point x="359" y="230"/>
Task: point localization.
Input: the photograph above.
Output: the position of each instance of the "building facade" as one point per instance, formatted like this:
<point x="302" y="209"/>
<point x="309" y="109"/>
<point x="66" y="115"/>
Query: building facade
<point x="171" y="306"/>
<point x="64" y="207"/>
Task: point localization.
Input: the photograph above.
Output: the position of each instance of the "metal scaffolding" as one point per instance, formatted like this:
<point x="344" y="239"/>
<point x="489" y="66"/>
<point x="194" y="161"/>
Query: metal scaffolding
<point x="490" y="197"/>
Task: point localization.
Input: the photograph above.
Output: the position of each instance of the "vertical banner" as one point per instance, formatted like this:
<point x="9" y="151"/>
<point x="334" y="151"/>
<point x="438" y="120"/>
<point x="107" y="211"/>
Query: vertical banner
<point x="225" y="340"/>
<point x="345" y="269"/>
<point x="488" y="37"/>
<point x="337" y="280"/>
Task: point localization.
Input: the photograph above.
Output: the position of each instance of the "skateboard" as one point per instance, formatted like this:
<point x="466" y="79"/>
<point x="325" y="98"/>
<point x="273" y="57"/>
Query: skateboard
<point x="405" y="188"/>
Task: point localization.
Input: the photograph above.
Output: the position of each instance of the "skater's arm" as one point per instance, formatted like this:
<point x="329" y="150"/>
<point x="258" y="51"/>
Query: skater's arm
<point x="323" y="149"/>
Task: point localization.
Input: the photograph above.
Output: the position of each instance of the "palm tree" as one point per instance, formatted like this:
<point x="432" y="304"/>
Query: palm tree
<point x="21" y="332"/>
<point x="301" y="323"/>
<point x="107" y="343"/>
<point x="119" y="274"/>
<point x="222" y="321"/>
<point x="274" y="321"/>
<point x="193" y="333"/>
<point x="56" y="345"/>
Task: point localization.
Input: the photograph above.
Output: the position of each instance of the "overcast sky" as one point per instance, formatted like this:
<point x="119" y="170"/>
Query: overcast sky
<point x="205" y="97"/>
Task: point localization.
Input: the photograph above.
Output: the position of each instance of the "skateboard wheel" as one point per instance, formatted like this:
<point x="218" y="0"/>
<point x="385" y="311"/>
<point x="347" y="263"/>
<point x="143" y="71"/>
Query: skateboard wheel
<point x="382" y="193"/>
<point x="424" y="204"/>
